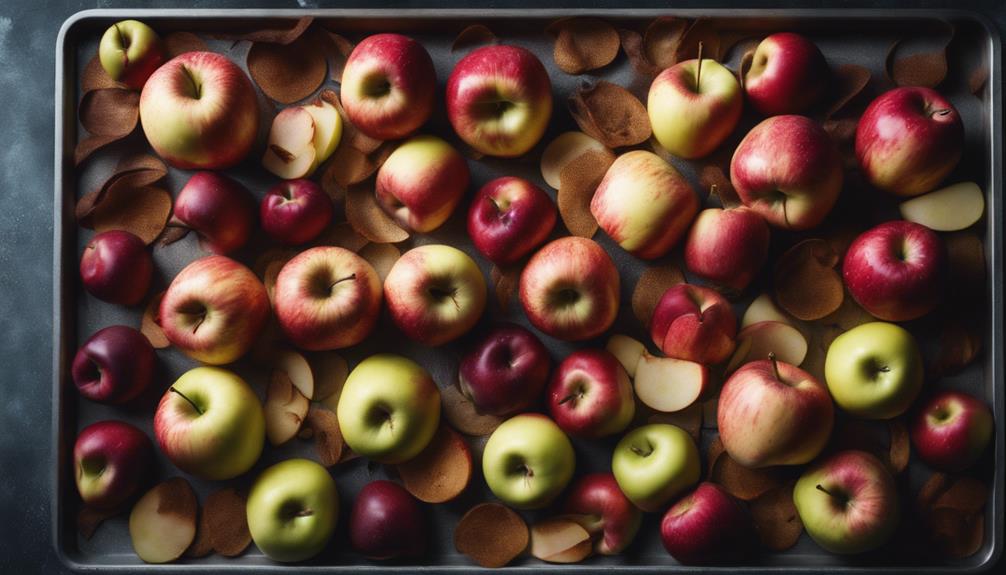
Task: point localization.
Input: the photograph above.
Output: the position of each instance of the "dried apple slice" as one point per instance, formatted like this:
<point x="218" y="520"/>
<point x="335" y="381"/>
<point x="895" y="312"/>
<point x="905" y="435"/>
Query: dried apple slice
<point x="741" y="482"/>
<point x="328" y="440"/>
<point x="661" y="40"/>
<point x="651" y="286"/>
<point x="227" y="521"/>
<point x="491" y="534"/>
<point x="285" y="408"/>
<point x="327" y="128"/>
<point x="806" y="283"/>
<point x="957" y="534"/>
<point x="583" y="44"/>
<point x="578" y="180"/>
<point x="610" y="113"/>
<point x="162" y="523"/>
<point x="565" y="148"/>
<point x="288" y="73"/>
<point x="290" y="152"/>
<point x="667" y="384"/>
<point x="775" y="518"/>
<point x="504" y="282"/>
<point x="955" y="207"/>
<point x="763" y="308"/>
<point x="341" y="235"/>
<point x="330" y="372"/>
<point x="558" y="540"/>
<point x="297" y="368"/>
<point x="369" y="219"/>
<point x="757" y="340"/>
<point x="900" y="449"/>
<point x="150" y="324"/>
<point x="441" y="471"/>
<point x="627" y="351"/>
<point x="460" y="412"/>
<point x="472" y="36"/>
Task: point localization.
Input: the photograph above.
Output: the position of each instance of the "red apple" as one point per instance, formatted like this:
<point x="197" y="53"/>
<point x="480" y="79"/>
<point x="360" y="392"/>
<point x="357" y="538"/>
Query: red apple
<point x="727" y="247"/>
<point x="217" y="208"/>
<point x="896" y="270"/>
<point x="294" y="212"/>
<point x="694" y="323"/>
<point x="115" y="365"/>
<point x="111" y="460"/>
<point x="387" y="522"/>
<point x="509" y="218"/>
<point x="590" y="394"/>
<point x="597" y="503"/>
<point x="707" y="526"/>
<point x="116" y="267"/>
<point x="951" y="430"/>
<point x="788" y="75"/>
<point x="505" y="372"/>
<point x="421" y="183"/>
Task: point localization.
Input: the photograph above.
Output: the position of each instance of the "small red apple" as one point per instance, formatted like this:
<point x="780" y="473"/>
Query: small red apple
<point x="951" y="430"/>
<point x="707" y="526"/>
<point x="294" y="212"/>
<point x="694" y="323"/>
<point x="509" y="217"/>
<point x="590" y="394"/>
<point x="115" y="365"/>
<point x="600" y="507"/>
<point x="116" y="267"/>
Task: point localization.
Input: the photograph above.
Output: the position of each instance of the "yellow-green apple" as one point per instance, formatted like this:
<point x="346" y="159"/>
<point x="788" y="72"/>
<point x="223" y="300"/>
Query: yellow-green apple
<point x="774" y="413"/>
<point x="290" y="151"/>
<point x="599" y="506"/>
<point x="389" y="408"/>
<point x="387" y="523"/>
<point x="129" y="52"/>
<point x="210" y="424"/>
<point x="505" y="372"/>
<point x="528" y="461"/>
<point x="199" y="111"/>
<point x="874" y="370"/>
<point x="727" y="247"/>
<point x="951" y="430"/>
<point x="848" y="503"/>
<point x="908" y="140"/>
<point x="435" y="294"/>
<point x="111" y="460"/>
<point x="294" y="212"/>
<point x="388" y="86"/>
<point x="896" y="270"/>
<point x="667" y="384"/>
<point x="590" y="394"/>
<point x="327" y="297"/>
<point x="644" y="204"/>
<point x="219" y="209"/>
<point x="115" y="365"/>
<point x="116" y="267"/>
<point x="693" y="112"/>
<point x="509" y="218"/>
<point x="695" y="323"/>
<point x="708" y="525"/>
<point x="570" y="289"/>
<point x="214" y="310"/>
<point x="788" y="75"/>
<point x="499" y="100"/>
<point x="788" y="170"/>
<point x="654" y="464"/>
<point x="421" y="183"/>
<point x="292" y="510"/>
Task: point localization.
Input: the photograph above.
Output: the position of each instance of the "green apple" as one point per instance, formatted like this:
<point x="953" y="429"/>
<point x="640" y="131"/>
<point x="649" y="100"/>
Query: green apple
<point x="389" y="408"/>
<point x="655" y="463"/>
<point x="129" y="52"/>
<point x="528" y="461"/>
<point x="874" y="371"/>
<point x="292" y="510"/>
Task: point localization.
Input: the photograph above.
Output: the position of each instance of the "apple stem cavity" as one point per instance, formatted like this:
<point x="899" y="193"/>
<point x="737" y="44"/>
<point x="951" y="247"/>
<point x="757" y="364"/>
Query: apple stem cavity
<point x="340" y="280"/>
<point x="843" y="500"/>
<point x="185" y="397"/>
<point x="642" y="452"/>
<point x="196" y="92"/>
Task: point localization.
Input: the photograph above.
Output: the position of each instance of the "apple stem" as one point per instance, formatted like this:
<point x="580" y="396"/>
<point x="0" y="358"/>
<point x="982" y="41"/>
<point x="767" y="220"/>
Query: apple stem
<point x="495" y="204"/>
<point x="305" y="513"/>
<point x="821" y="488"/>
<point x="635" y="449"/>
<point x="340" y="280"/>
<point x="698" y="73"/>
<point x="567" y="398"/>
<point x="942" y="112"/>
<point x="192" y="403"/>
<point x="775" y="365"/>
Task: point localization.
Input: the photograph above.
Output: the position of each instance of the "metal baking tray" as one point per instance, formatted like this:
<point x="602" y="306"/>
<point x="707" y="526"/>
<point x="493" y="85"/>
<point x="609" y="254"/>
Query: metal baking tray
<point x="860" y="36"/>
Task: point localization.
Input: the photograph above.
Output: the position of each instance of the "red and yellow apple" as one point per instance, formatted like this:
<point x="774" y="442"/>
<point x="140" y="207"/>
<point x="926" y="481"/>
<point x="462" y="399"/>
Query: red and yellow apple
<point x="421" y="183"/>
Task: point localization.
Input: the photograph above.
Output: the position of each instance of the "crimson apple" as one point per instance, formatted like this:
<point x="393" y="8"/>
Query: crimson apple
<point x="788" y="75"/>
<point x="597" y="503"/>
<point x="505" y="372"/>
<point x="217" y="208"/>
<point x="116" y="267"/>
<point x="727" y="247"/>
<point x="590" y="394"/>
<point x="294" y="212"/>
<point x="387" y="522"/>
<point x="707" y="526"/>
<point x="111" y="460"/>
<point x="694" y="323"/>
<point x="951" y="430"/>
<point x="508" y="218"/>
<point x="115" y="365"/>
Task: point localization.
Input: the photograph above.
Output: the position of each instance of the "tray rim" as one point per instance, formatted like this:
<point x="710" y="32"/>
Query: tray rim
<point x="61" y="218"/>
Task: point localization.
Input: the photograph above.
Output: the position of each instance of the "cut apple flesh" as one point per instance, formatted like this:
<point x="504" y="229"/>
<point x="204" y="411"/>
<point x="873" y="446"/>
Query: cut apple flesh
<point x="559" y="540"/>
<point x="327" y="129"/>
<point x="763" y="308"/>
<point x="949" y="209"/>
<point x="297" y="369"/>
<point x="285" y="409"/>
<point x="162" y="523"/>
<point x="757" y="340"/>
<point x="563" y="150"/>
<point x="627" y="351"/>
<point x="290" y="153"/>
<point x="667" y="384"/>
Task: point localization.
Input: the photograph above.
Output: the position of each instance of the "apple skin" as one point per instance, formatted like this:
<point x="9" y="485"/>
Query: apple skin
<point x="219" y="209"/>
<point x="114" y="366"/>
<point x="788" y="170"/>
<point x="294" y="212"/>
<point x="509" y="218"/>
<point x="654" y="464"/>
<point x="866" y="512"/>
<point x="707" y="526"/>
<point x="388" y="86"/>
<point x="694" y="323"/>
<point x="570" y="289"/>
<point x="727" y="247"/>
<point x="788" y="75"/>
<point x="116" y="267"/>
<point x="766" y="419"/>
<point x="111" y="460"/>
<point x="292" y="510"/>
<point x="421" y="183"/>
<point x="389" y="408"/>
<point x="214" y="310"/>
<point x="896" y="270"/>
<point x="908" y="140"/>
<point x="499" y="100"/>
<point x="435" y="294"/>
<point x="212" y="129"/>
<point x="210" y="424"/>
<point x="129" y="52"/>
<point x="528" y="461"/>
<point x="691" y="121"/>
<point x="590" y="394"/>
<point x="951" y="430"/>
<point x="387" y="523"/>
<point x="327" y="297"/>
<point x="506" y="371"/>
<point x="644" y="204"/>
<point x="597" y="503"/>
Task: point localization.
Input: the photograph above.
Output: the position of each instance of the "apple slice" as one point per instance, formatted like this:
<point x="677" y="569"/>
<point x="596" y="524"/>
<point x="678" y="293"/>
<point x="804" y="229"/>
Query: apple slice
<point x="441" y="471"/>
<point x="627" y="351"/>
<point x="667" y="384"/>
<point x="330" y="372"/>
<point x="290" y="153"/>
<point x="563" y="150"/>
<point x="297" y="369"/>
<point x="327" y="128"/>
<point x="757" y="340"/>
<point x="559" y="540"/>
<point x="162" y="523"/>
<point x="285" y="408"/>
<point x="763" y="308"/>
<point x="949" y="209"/>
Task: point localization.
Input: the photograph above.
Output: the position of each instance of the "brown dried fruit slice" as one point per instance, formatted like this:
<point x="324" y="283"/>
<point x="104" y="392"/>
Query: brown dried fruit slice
<point x="460" y="412"/>
<point x="565" y="148"/>
<point x="285" y="408"/>
<point x="806" y="283"/>
<point x="741" y="482"/>
<point x="960" y="344"/>
<point x="94" y="77"/>
<point x="933" y="487"/>
<point x="900" y="449"/>
<point x="341" y="235"/>
<point x="956" y="533"/>
<point x="150" y="323"/>
<point x="635" y="51"/>
<point x="381" y="256"/>
<point x="327" y="434"/>
<point x="491" y="534"/>
<point x="578" y="181"/>
<point x="662" y="39"/>
<point x="348" y="166"/>
<point x="201" y="545"/>
<point x="227" y="521"/>
<point x="279" y="35"/>
<point x="651" y="286"/>
<point x="109" y="111"/>
<point x="90" y="518"/>
<point x="441" y="471"/>
<point x="141" y="211"/>
<point x="133" y="171"/>
<point x="369" y="220"/>
<point x="927" y="69"/>
<point x="775" y="518"/>
<point x="178" y="43"/>
<point x="583" y="44"/>
<point x="472" y="36"/>
<point x="290" y="72"/>
<point x="963" y="493"/>
<point x="337" y="49"/>
<point x="848" y="81"/>
<point x="966" y="260"/>
<point x="162" y="523"/>
<point x="559" y="540"/>
<point x="702" y="32"/>
<point x="610" y="113"/>
<point x="504" y="283"/>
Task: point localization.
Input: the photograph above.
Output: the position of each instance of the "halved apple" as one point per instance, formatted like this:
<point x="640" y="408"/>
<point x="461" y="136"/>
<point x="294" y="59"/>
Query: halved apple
<point x="327" y="129"/>
<point x="667" y="384"/>
<point x="162" y="523"/>
<point x="297" y="369"/>
<point x="560" y="540"/>
<point x="757" y="340"/>
<point x="627" y="351"/>
<point x="290" y="153"/>
<point x="763" y="308"/>
<point x="285" y="409"/>
<point x="948" y="209"/>
<point x="565" y="148"/>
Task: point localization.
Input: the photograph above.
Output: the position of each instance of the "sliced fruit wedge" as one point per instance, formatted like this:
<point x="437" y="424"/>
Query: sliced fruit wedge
<point x="667" y="384"/>
<point x="948" y="209"/>
<point x="162" y="523"/>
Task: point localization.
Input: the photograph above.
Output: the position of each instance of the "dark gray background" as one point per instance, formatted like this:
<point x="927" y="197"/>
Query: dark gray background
<point x="28" y="31"/>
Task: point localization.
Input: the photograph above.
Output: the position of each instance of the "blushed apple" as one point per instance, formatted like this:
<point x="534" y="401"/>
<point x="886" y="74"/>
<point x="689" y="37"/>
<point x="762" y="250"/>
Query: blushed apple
<point x="590" y="394"/>
<point x="694" y="323"/>
<point x="111" y="460"/>
<point x="505" y="372"/>
<point x="951" y="430"/>
<point x="509" y="218"/>
<point x="727" y="247"/>
<point x="421" y="183"/>
<point x="129" y="52"/>
<point x="788" y="75"/>
<point x="599" y="506"/>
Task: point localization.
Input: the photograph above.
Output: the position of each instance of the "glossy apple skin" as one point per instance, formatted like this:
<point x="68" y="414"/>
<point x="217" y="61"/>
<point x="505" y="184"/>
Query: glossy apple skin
<point x="213" y="131"/>
<point x="570" y="289"/>
<point x="896" y="270"/>
<point x="788" y="170"/>
<point x="115" y="365"/>
<point x="528" y="461"/>
<point x="129" y="52"/>
<point x="490" y="75"/>
<point x="509" y="218"/>
<point x="694" y="323"/>
<point x="388" y="86"/>
<point x="506" y="371"/>
<point x="590" y="394"/>
<point x="219" y="209"/>
<point x="727" y="247"/>
<point x="788" y="75"/>
<point x="111" y="460"/>
<point x="421" y="183"/>
<point x="294" y="212"/>
<point x="606" y="512"/>
<point x="908" y="140"/>
<point x="951" y="430"/>
<point x="707" y="526"/>
<point x="655" y="463"/>
<point x="116" y="267"/>
<point x="387" y="522"/>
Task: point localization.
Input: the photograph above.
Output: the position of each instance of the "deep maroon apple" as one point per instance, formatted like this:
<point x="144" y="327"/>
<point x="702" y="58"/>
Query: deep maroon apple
<point x="387" y="522"/>
<point x="294" y="212"/>
<point x="506" y="371"/>
<point x="951" y="430"/>
<point x="707" y="526"/>
<point x="510" y="217"/>
<point x="114" y="365"/>
<point x="111" y="459"/>
<point x="604" y="511"/>
<point x="217" y="208"/>
<point x="788" y="74"/>
<point x="116" y="267"/>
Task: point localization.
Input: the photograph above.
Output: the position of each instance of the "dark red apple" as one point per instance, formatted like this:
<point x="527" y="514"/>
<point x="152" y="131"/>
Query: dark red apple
<point x="111" y="460"/>
<point x="217" y="208"/>
<point x="604" y="511"/>
<point x="294" y="212"/>
<point x="788" y="75"/>
<point x="727" y="247"/>
<point x="116" y="267"/>
<point x="506" y="371"/>
<point x="114" y="365"/>
<point x="509" y="218"/>
<point x="590" y="394"/>
<point x="387" y="522"/>
<point x="707" y="526"/>
<point x="951" y="430"/>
